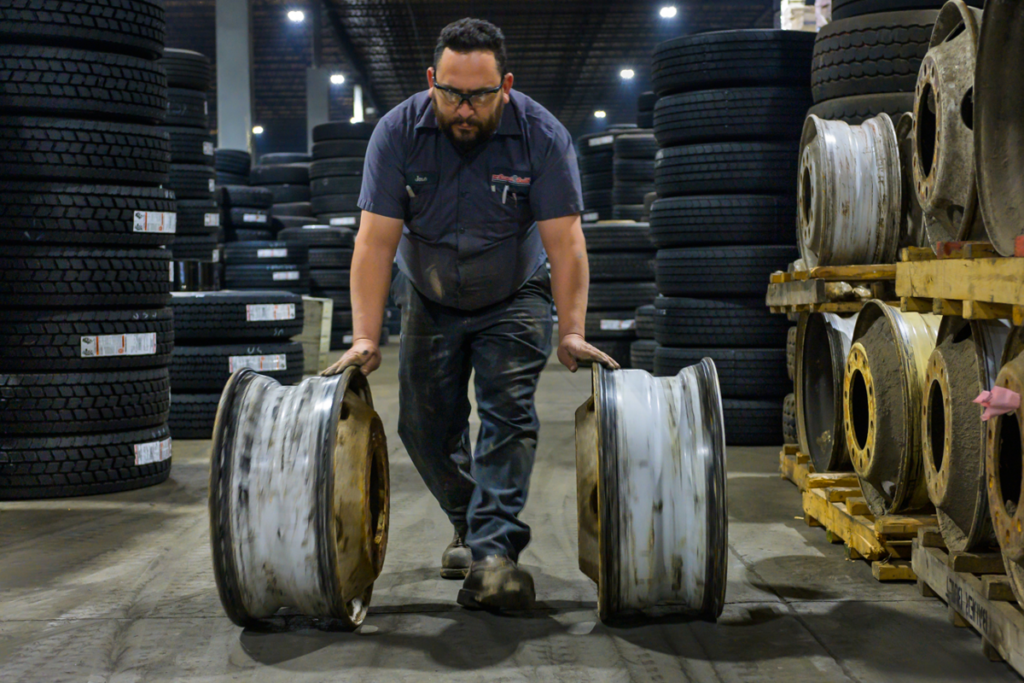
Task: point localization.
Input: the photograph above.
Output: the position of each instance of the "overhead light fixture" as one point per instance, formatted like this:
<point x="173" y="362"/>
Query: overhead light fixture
<point x="668" y="12"/>
<point x="600" y="114"/>
<point x="337" y="79"/>
<point x="257" y="130"/>
<point x="371" y="110"/>
<point x="353" y="120"/>
<point x="627" y="74"/>
<point x="296" y="16"/>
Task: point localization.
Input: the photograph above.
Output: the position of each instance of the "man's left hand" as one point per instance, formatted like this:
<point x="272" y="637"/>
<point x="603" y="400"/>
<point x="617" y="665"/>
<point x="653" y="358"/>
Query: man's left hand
<point x="574" y="348"/>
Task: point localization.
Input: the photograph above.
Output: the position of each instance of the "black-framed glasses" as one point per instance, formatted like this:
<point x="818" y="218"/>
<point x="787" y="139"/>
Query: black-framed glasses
<point x="474" y="99"/>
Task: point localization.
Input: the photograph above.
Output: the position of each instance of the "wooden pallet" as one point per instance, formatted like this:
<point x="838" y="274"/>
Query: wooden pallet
<point x="966" y="279"/>
<point x="830" y="289"/>
<point x="834" y="500"/>
<point x="977" y="593"/>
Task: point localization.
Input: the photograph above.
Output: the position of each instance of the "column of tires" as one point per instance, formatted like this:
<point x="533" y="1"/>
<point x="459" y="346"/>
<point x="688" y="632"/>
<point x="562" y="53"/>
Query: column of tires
<point x="197" y="248"/>
<point x="218" y="333"/>
<point x="866" y="59"/>
<point x="336" y="179"/>
<point x="621" y="257"/>
<point x="633" y="172"/>
<point x="286" y="176"/>
<point x="728" y="119"/>
<point x="85" y="332"/>
<point x="596" y="155"/>
<point x="232" y="166"/>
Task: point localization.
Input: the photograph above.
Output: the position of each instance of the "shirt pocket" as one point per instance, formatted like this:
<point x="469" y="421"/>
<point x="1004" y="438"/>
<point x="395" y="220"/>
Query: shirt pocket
<point x="419" y="217"/>
<point x="508" y="206"/>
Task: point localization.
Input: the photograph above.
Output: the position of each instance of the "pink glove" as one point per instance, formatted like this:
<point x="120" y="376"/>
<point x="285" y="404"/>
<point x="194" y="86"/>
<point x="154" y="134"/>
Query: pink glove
<point x="999" y="401"/>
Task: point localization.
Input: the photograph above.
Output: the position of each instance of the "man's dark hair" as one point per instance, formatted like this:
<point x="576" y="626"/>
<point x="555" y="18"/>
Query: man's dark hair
<point x="470" y="35"/>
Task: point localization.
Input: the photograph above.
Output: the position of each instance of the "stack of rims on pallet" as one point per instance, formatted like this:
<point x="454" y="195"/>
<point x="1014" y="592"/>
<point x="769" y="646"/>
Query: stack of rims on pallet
<point x="217" y="333"/>
<point x="85" y="335"/>
<point x="728" y="119"/>
<point x="867" y="59"/>
<point x="197" y="248"/>
<point x="286" y="175"/>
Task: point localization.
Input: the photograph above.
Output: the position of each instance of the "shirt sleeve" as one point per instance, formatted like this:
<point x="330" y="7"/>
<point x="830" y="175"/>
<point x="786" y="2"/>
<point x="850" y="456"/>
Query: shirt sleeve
<point x="383" y="189"/>
<point x="555" y="191"/>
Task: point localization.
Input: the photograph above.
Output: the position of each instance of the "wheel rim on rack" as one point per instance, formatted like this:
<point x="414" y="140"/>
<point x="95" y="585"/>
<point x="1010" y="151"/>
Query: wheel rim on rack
<point x="998" y="128"/>
<point x="1004" y="464"/>
<point x="299" y="495"/>
<point x="849" y="192"/>
<point x="823" y="343"/>
<point x="943" y="161"/>
<point x="882" y="391"/>
<point x="651" y="493"/>
<point x="965" y="362"/>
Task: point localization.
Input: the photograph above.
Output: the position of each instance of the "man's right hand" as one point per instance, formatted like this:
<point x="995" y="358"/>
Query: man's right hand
<point x="364" y="354"/>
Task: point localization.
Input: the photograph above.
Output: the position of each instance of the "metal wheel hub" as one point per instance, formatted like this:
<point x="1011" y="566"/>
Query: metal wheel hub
<point x="842" y="167"/>
<point x="943" y="126"/>
<point x="299" y="493"/>
<point x="822" y="346"/>
<point x="651" y="496"/>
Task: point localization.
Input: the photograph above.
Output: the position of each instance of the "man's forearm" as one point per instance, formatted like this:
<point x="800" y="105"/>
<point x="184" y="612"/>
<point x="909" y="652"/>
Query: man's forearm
<point x="370" y="279"/>
<point x="570" y="278"/>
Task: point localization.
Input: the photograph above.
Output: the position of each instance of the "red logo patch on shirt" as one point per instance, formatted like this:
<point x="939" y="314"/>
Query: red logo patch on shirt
<point x="513" y="180"/>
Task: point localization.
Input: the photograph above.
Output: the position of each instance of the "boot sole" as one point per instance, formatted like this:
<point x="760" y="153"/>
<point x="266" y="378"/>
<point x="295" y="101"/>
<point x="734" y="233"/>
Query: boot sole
<point x="454" y="573"/>
<point x="511" y="603"/>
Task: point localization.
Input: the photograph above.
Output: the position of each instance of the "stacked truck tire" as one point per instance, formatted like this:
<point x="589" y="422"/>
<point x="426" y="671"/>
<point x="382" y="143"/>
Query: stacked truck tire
<point x="218" y="333"/>
<point x="86" y="334"/>
<point x="336" y="172"/>
<point x="866" y="60"/>
<point x="728" y="120"/>
<point x="197" y="249"/>
<point x="286" y="176"/>
<point x="633" y="173"/>
<point x="596" y="155"/>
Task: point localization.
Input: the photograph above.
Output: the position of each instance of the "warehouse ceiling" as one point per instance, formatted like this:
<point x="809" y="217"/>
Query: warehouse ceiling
<point x="567" y="54"/>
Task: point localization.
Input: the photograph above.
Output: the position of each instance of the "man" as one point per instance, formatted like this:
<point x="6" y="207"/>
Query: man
<point x="484" y="181"/>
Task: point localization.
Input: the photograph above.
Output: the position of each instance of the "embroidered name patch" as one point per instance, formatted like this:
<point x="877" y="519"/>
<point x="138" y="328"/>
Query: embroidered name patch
<point x="513" y="180"/>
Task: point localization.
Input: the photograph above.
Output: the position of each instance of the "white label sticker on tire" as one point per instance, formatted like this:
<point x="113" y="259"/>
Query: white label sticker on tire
<point x="344" y="220"/>
<point x="154" y="451"/>
<point x="143" y="344"/>
<point x="215" y="256"/>
<point x="287" y="275"/>
<point x="170" y="271"/>
<point x="272" y="253"/>
<point x="211" y="220"/>
<point x="208" y="149"/>
<point x="155" y="221"/>
<point x="277" y="361"/>
<point x="261" y="312"/>
<point x="213" y="185"/>
<point x="591" y="217"/>
<point x="603" y="140"/>
<point x="254" y="218"/>
<point x="347" y="339"/>
<point x="618" y="324"/>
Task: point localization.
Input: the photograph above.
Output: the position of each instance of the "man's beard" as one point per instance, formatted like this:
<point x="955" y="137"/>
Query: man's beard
<point x="467" y="140"/>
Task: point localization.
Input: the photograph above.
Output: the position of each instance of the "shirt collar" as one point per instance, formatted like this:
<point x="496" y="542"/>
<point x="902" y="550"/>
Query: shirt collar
<point x="509" y="124"/>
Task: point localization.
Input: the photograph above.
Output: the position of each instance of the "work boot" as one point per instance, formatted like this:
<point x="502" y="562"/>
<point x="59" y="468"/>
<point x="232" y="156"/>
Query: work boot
<point x="456" y="558"/>
<point x="497" y="583"/>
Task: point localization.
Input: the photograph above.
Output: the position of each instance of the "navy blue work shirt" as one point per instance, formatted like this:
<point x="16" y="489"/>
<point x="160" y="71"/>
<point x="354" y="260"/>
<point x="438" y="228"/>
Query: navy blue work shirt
<point x="470" y="237"/>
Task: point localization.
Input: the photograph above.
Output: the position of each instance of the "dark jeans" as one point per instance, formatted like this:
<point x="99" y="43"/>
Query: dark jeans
<point x="506" y="345"/>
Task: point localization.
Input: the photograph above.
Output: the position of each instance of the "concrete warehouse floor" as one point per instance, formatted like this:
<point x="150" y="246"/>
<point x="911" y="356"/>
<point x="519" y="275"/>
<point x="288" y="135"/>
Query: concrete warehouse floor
<point x="120" y="588"/>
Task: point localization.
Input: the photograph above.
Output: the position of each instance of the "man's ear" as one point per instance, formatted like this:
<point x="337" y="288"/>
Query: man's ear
<point x="506" y="86"/>
<point x="430" y="79"/>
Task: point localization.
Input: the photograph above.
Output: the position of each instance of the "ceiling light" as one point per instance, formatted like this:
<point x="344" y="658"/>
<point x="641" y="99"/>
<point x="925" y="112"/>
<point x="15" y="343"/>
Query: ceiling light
<point x="668" y="12"/>
<point x="297" y="16"/>
<point x="257" y="130"/>
<point x="337" y="79"/>
<point x="627" y="74"/>
<point x="600" y="114"/>
<point x="353" y="120"/>
<point x="371" y="110"/>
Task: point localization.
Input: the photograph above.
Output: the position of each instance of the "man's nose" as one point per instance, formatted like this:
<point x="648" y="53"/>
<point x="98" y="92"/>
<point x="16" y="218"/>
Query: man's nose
<point x="464" y="110"/>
